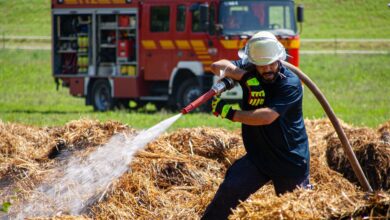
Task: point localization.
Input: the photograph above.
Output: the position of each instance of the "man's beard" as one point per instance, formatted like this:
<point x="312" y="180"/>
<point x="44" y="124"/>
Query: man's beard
<point x="267" y="80"/>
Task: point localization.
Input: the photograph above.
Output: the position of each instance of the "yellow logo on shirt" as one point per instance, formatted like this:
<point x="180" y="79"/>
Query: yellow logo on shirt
<point x="256" y="93"/>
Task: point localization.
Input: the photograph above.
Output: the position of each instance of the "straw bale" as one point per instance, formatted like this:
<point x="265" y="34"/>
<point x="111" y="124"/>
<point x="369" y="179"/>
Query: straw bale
<point x="62" y="217"/>
<point x="177" y="175"/>
<point x="206" y="142"/>
<point x="25" y="151"/>
<point x="372" y="154"/>
<point x="384" y="130"/>
<point x="23" y="141"/>
<point x="85" y="133"/>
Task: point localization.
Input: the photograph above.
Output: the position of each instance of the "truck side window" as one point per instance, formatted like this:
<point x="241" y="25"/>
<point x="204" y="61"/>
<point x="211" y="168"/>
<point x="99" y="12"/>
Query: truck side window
<point x="196" y="20"/>
<point x="181" y="18"/>
<point x="159" y="19"/>
<point x="212" y="18"/>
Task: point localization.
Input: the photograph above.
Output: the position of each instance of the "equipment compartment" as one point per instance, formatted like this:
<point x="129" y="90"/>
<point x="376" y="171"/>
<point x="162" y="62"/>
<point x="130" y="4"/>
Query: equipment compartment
<point x="97" y="42"/>
<point x="72" y="44"/>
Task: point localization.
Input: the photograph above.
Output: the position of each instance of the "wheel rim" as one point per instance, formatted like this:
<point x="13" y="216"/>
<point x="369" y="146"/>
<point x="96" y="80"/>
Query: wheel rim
<point x="102" y="97"/>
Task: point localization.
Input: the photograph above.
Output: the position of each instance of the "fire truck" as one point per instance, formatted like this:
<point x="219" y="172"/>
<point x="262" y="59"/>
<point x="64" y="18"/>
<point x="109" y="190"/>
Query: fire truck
<point x="112" y="52"/>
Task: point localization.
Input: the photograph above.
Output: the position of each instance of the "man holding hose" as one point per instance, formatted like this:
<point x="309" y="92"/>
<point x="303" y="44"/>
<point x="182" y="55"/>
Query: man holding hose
<point x="273" y="129"/>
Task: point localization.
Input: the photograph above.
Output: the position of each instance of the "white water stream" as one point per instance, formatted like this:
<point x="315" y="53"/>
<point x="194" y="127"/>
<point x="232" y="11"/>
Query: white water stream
<point x="85" y="180"/>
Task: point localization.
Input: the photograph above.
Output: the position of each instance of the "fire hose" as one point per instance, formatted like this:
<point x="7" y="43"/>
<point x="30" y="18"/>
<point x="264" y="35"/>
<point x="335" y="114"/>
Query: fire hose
<point x="336" y="124"/>
<point x="226" y="84"/>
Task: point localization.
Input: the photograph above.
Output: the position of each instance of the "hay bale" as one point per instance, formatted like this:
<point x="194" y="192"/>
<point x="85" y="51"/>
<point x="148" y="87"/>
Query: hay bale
<point x="372" y="154"/>
<point x="384" y="130"/>
<point x="26" y="151"/>
<point x="85" y="133"/>
<point x="177" y="175"/>
<point x="212" y="143"/>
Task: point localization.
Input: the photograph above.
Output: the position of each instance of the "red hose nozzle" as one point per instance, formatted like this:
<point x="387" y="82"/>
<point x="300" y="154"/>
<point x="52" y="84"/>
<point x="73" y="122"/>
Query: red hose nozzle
<point x="202" y="99"/>
<point x="223" y="85"/>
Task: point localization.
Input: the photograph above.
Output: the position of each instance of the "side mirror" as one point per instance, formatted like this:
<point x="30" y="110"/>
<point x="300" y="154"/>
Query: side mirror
<point x="300" y="13"/>
<point x="204" y="16"/>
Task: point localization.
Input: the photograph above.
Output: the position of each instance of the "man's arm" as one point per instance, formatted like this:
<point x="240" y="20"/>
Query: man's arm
<point x="261" y="116"/>
<point x="231" y="71"/>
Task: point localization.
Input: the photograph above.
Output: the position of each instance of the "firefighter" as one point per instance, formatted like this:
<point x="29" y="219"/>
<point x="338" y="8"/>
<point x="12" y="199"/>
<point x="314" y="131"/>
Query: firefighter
<point x="273" y="129"/>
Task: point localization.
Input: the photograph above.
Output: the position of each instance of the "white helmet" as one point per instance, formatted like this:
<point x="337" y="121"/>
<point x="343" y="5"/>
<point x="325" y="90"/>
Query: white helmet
<point x="262" y="49"/>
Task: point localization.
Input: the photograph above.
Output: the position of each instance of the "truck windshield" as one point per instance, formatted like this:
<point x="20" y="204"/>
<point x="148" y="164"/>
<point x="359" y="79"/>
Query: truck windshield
<point x="249" y="17"/>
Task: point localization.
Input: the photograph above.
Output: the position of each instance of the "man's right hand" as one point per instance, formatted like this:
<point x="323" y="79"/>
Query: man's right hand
<point x="219" y="107"/>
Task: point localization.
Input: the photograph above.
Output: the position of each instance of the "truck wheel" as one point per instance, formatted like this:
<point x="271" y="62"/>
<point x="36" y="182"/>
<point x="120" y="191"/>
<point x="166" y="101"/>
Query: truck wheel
<point x="188" y="92"/>
<point x="101" y="96"/>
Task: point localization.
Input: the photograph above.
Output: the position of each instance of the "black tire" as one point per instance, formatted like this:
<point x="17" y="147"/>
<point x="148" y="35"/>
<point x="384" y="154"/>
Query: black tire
<point x="101" y="96"/>
<point x="187" y="92"/>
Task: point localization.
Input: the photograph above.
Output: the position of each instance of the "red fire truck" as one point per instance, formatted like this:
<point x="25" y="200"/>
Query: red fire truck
<point x="157" y="51"/>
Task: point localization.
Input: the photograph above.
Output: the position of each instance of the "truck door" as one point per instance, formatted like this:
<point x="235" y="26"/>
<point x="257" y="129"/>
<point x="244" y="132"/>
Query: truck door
<point x="156" y="42"/>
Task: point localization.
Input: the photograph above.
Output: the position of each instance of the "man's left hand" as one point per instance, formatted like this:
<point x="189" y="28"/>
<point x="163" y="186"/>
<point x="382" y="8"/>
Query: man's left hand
<point x="219" y="107"/>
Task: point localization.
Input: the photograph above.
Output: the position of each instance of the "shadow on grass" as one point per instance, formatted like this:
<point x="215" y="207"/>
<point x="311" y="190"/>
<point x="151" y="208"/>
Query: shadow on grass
<point x="27" y="111"/>
<point x="35" y="111"/>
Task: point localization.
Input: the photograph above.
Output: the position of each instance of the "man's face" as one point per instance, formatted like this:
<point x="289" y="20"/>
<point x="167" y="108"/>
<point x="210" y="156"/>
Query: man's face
<point x="268" y="72"/>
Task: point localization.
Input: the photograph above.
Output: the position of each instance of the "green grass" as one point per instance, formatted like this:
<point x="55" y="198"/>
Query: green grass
<point x="323" y="18"/>
<point x="346" y="19"/>
<point x="356" y="86"/>
<point x="25" y="17"/>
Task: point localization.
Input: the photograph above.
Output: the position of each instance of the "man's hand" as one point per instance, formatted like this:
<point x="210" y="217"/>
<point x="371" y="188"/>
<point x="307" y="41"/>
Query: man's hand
<point x="219" y="107"/>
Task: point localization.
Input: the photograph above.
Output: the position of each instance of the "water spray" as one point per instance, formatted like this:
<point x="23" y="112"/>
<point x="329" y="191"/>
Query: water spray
<point x="220" y="87"/>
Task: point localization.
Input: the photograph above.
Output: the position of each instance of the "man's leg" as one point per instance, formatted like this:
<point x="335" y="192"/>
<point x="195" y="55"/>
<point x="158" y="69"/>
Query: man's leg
<point x="242" y="179"/>
<point x="288" y="184"/>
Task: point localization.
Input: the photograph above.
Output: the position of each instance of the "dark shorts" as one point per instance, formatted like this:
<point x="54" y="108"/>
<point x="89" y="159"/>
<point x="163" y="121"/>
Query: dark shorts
<point x="243" y="179"/>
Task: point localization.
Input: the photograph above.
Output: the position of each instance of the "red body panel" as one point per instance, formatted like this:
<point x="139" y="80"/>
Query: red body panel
<point x="126" y="87"/>
<point x="76" y="87"/>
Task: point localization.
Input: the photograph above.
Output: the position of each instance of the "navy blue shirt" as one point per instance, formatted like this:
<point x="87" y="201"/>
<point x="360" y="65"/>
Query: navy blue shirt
<point x="280" y="148"/>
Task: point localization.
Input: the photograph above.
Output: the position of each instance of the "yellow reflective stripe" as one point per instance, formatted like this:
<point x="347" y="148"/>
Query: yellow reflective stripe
<point x="225" y="110"/>
<point x="262" y="93"/>
<point x="205" y="62"/>
<point x="251" y="101"/>
<point x="198" y="44"/>
<point x="230" y="44"/>
<point x="183" y="44"/>
<point x="167" y="44"/>
<point x="258" y="94"/>
<point x="204" y="57"/>
<point x="233" y="44"/>
<point x="241" y="44"/>
<point x="291" y="44"/>
<point x="203" y="52"/>
<point x="149" y="44"/>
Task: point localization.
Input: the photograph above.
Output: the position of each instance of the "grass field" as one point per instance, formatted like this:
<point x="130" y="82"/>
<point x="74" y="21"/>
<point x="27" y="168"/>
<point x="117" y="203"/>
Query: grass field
<point x="356" y="86"/>
<point x="346" y="18"/>
<point x="323" y="18"/>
